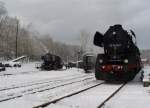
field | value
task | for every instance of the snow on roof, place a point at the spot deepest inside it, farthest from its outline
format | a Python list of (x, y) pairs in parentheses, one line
[(144, 59), (89, 54), (19, 58)]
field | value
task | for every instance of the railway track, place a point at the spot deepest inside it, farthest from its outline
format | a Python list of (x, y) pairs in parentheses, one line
[(39, 82), (42, 88), (51, 85), (54, 101), (102, 104), (68, 95)]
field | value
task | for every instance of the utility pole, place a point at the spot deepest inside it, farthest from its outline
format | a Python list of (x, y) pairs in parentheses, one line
[(17, 27), (78, 54)]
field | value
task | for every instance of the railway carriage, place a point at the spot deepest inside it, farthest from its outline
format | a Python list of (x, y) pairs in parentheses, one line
[(89, 60)]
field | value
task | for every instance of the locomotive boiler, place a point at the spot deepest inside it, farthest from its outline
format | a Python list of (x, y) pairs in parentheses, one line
[(121, 58)]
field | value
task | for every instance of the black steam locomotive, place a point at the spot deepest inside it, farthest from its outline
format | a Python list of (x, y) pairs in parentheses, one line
[(121, 59), (51, 62)]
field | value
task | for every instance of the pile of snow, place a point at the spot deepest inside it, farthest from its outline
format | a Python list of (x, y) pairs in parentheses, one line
[(146, 76)]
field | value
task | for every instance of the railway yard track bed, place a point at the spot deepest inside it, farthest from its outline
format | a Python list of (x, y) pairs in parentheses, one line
[(87, 99), (71, 90)]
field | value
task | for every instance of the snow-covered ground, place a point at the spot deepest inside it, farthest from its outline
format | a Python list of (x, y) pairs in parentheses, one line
[(28, 80), (28, 73), (88, 99), (30, 87), (133, 95)]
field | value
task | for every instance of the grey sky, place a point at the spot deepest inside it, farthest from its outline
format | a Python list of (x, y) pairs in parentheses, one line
[(63, 19)]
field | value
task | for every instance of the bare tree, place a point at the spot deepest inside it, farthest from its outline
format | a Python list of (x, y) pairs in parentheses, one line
[(28, 41), (83, 41)]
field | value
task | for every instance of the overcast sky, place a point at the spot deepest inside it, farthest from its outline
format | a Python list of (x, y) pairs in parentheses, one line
[(64, 19)]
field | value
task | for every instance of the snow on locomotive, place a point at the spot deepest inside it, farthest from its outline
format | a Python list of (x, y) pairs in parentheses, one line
[(121, 59), (51, 62)]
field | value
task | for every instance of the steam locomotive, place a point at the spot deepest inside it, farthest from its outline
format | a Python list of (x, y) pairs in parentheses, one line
[(51, 62), (121, 59)]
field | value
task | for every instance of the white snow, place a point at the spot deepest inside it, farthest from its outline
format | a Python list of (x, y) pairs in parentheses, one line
[(19, 58), (133, 95), (28, 74), (146, 74), (88, 99)]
